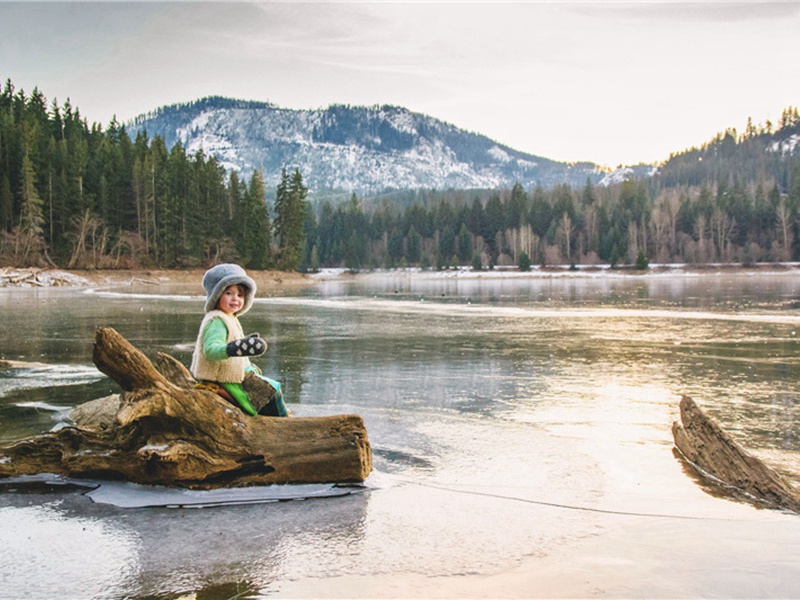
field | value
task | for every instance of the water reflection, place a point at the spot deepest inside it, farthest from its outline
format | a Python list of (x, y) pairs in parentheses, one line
[(44, 550), (185, 550), (729, 291), (482, 399), (63, 542)]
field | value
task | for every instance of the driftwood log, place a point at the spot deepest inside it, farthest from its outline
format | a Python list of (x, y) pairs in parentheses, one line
[(162, 431), (718, 458)]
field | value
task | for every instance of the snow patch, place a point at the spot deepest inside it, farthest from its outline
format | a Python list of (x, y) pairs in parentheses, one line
[(621, 174), (401, 120), (499, 154), (787, 146), (617, 176)]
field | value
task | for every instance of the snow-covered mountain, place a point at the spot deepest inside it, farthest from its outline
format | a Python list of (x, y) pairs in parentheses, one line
[(352, 148)]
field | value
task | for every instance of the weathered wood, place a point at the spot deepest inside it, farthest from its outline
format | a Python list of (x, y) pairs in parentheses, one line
[(124, 363), (173, 371), (717, 457), (170, 434), (97, 414), (27, 277)]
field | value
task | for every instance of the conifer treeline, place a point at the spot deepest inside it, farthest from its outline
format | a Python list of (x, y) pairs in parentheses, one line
[(77, 196), (735, 199), (80, 196)]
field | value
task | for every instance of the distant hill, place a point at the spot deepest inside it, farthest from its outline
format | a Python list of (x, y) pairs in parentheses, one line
[(353, 148), (759, 154), (380, 148)]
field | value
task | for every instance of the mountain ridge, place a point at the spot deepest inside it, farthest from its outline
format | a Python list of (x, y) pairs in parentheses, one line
[(353, 148)]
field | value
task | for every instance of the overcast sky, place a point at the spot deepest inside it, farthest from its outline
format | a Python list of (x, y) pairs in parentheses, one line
[(609, 82)]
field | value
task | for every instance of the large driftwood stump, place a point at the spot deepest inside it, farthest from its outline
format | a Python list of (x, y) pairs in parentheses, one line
[(165, 432), (713, 453)]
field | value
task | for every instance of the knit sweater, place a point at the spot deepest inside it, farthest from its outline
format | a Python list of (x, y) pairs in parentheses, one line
[(230, 370)]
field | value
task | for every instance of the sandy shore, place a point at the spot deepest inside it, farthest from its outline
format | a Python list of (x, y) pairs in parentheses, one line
[(33, 277), (187, 277), (18, 277)]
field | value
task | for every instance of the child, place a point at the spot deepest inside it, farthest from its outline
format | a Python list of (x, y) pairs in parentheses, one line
[(221, 355)]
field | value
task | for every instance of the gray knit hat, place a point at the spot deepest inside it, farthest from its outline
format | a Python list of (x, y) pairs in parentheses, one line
[(218, 278)]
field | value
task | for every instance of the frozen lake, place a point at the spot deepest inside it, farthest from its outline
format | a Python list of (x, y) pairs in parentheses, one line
[(520, 430)]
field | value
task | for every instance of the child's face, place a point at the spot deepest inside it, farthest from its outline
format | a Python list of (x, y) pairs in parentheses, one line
[(232, 299)]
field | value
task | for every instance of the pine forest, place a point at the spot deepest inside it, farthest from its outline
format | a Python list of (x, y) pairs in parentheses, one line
[(78, 196)]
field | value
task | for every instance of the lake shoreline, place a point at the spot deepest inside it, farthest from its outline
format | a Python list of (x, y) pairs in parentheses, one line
[(33, 277), (36, 277)]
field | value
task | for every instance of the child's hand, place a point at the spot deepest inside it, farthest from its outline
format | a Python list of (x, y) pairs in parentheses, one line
[(252, 345)]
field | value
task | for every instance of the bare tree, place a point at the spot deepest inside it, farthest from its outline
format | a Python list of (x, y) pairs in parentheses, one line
[(785, 219), (91, 239), (701, 230), (722, 227), (564, 233)]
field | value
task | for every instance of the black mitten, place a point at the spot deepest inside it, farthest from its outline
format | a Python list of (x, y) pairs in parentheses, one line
[(252, 345)]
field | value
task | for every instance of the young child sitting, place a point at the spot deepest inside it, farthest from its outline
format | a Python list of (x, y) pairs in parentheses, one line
[(221, 360)]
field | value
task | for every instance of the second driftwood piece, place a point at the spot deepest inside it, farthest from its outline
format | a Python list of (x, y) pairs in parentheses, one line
[(168, 434), (703, 443)]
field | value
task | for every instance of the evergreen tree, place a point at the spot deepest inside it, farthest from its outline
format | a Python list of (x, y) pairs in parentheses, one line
[(254, 240), (541, 213), (6, 204), (642, 262), (477, 263), (524, 262), (517, 208), (494, 223), (477, 218), (414, 242), (29, 243), (464, 245), (290, 210)]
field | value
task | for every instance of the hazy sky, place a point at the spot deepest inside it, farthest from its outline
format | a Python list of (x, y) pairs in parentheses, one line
[(610, 82)]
